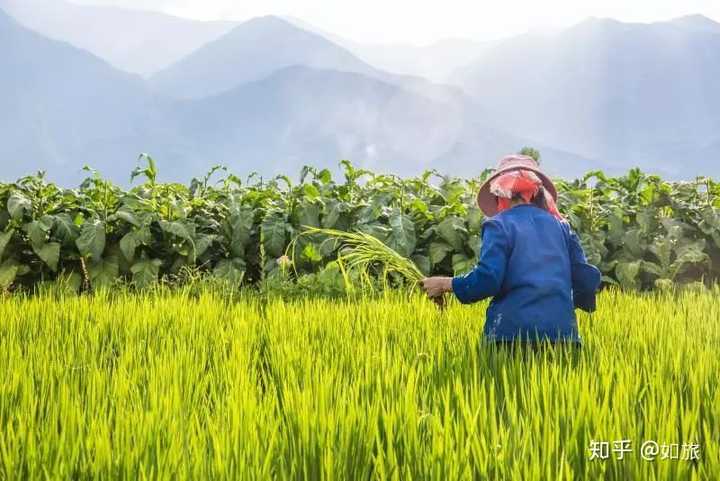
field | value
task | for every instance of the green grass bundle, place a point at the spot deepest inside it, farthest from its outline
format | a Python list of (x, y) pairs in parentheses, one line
[(363, 253)]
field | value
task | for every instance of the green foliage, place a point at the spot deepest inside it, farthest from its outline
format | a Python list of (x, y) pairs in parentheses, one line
[(643, 232), (531, 152)]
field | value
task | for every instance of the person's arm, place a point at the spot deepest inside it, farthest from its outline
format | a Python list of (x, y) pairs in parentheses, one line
[(585, 277), (486, 279)]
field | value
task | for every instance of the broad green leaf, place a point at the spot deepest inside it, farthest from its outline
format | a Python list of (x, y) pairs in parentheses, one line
[(462, 264), (5, 238), (653, 268), (310, 253), (49, 253), (232, 270), (324, 176), (18, 205), (633, 243), (662, 249), (132, 240), (674, 229), (145, 272), (475, 244), (616, 228), (241, 227), (710, 220), (369, 213), (475, 219), (65, 228), (402, 234), (8, 272), (328, 247), (274, 233), (38, 231), (438, 252), (311, 192), (128, 216), (178, 229), (202, 244), (646, 220), (308, 214), (128, 244), (419, 206), (103, 272), (627, 274), (91, 242), (333, 213), (375, 229), (452, 230), (688, 255), (691, 249), (423, 263)]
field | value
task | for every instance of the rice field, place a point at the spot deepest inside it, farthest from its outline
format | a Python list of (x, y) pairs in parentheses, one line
[(180, 385)]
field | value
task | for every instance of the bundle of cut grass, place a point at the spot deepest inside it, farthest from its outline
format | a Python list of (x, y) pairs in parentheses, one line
[(365, 254)]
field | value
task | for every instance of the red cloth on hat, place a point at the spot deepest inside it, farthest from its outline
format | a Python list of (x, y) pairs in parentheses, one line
[(524, 183)]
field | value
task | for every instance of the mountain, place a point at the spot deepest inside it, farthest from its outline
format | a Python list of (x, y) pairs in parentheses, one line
[(300, 115), (697, 22), (252, 51), (135, 41), (61, 108), (633, 94), (434, 62)]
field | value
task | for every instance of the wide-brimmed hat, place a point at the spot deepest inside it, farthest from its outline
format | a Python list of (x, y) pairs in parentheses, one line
[(487, 201)]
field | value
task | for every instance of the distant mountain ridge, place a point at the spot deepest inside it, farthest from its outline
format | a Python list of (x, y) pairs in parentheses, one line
[(634, 94), (435, 61), (269, 96), (302, 115), (61, 107), (252, 51), (141, 42), (90, 113)]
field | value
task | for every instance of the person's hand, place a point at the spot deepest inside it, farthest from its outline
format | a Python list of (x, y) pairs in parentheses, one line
[(437, 286)]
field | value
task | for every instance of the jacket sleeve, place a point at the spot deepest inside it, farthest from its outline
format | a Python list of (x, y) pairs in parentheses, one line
[(486, 279), (585, 277)]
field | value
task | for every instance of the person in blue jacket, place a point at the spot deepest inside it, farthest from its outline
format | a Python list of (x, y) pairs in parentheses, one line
[(531, 262)]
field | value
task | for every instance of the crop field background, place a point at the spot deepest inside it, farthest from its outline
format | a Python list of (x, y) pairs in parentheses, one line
[(195, 384), (641, 231)]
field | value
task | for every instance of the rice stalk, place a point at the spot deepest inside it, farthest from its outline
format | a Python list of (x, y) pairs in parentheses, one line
[(362, 252)]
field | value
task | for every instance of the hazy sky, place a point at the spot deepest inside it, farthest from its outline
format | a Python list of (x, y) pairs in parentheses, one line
[(419, 22)]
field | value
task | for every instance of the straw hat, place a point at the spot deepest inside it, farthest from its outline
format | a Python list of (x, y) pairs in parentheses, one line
[(487, 201)]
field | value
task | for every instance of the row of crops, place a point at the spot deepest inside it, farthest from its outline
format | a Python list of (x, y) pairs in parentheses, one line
[(640, 230)]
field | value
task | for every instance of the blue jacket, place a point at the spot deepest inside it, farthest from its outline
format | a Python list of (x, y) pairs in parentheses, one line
[(534, 268)]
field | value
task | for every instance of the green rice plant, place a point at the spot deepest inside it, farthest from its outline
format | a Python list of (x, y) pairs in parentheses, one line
[(168, 385)]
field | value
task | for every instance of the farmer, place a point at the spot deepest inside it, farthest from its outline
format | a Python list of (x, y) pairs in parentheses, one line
[(531, 262)]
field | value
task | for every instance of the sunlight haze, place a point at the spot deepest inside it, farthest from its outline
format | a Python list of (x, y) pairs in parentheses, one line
[(405, 21)]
